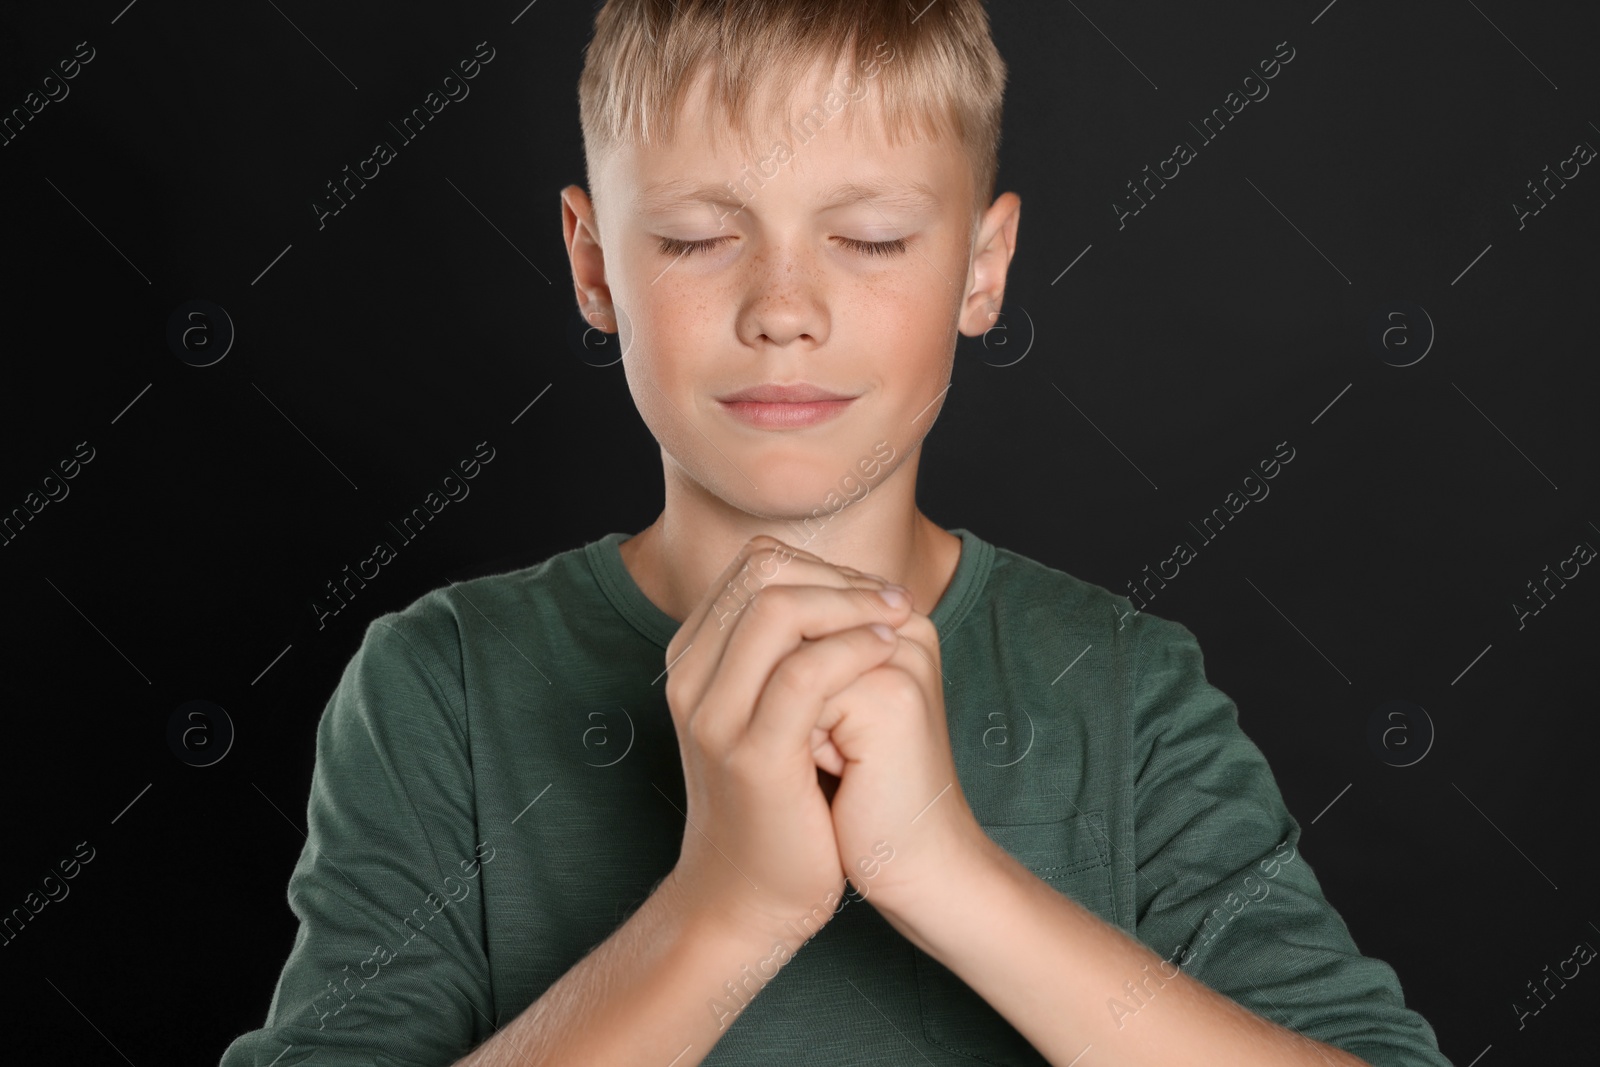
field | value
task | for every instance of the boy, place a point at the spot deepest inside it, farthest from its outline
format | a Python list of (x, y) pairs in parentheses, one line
[(623, 792)]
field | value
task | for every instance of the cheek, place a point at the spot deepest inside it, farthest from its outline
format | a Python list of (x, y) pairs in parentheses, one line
[(918, 337), (908, 314), (911, 328), (676, 313), (655, 400), (669, 360), (669, 332)]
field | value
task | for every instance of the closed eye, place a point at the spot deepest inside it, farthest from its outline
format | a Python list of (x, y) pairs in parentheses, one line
[(877, 248), (671, 246)]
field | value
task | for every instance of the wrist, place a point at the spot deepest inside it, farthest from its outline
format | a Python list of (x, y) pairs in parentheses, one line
[(739, 927), (725, 923), (933, 915), (745, 951)]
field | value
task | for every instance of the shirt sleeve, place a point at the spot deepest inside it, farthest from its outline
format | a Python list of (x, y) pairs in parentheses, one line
[(388, 966), (1222, 888)]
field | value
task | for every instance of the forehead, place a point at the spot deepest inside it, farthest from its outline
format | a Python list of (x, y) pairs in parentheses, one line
[(894, 190), (826, 145)]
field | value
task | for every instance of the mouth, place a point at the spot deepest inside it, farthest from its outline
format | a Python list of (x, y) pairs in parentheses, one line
[(785, 407), (771, 416), (775, 393)]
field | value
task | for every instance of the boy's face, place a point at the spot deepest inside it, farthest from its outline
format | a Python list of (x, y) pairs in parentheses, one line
[(783, 295)]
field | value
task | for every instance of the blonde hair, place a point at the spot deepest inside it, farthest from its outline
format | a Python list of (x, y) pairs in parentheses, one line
[(942, 77)]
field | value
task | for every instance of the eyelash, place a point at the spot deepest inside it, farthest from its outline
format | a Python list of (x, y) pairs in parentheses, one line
[(671, 246)]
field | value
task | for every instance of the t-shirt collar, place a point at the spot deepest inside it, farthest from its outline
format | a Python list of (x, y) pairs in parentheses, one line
[(611, 574)]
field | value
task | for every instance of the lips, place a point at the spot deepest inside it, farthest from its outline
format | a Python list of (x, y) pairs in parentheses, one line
[(774, 393)]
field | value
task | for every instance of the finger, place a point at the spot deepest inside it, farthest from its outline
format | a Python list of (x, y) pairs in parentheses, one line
[(697, 662), (919, 652), (825, 753), (690, 674), (792, 699), (916, 634), (775, 624), (755, 551), (760, 561), (869, 703), (697, 614)]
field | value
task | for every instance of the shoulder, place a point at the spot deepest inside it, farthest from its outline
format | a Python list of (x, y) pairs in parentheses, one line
[(1037, 593), (1152, 664), (440, 624), (1030, 584)]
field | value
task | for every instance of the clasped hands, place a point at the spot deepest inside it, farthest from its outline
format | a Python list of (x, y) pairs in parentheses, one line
[(813, 746)]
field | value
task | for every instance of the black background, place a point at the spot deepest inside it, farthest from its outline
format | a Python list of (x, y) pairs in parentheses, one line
[(1232, 313)]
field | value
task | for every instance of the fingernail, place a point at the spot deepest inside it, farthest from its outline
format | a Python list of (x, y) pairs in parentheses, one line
[(883, 631), (894, 596)]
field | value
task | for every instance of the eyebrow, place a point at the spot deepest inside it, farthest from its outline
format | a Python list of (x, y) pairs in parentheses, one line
[(884, 192)]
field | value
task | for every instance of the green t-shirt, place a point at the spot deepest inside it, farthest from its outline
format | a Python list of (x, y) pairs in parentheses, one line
[(498, 787)]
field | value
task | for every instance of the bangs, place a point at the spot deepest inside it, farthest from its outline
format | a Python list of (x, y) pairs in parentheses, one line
[(767, 64)]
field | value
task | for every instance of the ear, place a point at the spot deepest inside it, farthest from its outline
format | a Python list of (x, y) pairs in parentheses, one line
[(582, 237), (996, 243)]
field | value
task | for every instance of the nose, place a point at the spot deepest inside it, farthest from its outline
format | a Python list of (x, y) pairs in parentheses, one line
[(784, 298)]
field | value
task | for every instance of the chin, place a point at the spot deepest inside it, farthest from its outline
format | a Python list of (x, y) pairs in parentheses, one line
[(808, 491), (790, 497)]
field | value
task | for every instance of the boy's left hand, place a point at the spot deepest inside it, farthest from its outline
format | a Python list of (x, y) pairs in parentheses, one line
[(901, 819)]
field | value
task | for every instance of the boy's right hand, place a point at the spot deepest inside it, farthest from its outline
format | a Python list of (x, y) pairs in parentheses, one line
[(748, 675)]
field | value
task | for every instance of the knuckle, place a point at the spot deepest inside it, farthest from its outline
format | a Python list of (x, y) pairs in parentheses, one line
[(797, 676), (746, 582), (773, 601), (760, 545), (757, 573), (679, 696), (769, 561), (729, 604), (897, 687), (701, 732)]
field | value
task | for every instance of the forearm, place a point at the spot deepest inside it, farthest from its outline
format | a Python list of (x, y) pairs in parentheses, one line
[(644, 995), (1069, 981)]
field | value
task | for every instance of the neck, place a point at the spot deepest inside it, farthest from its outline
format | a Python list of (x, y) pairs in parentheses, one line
[(676, 558)]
